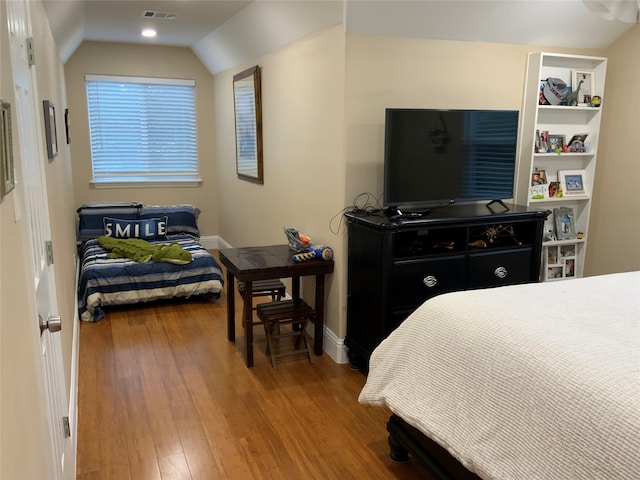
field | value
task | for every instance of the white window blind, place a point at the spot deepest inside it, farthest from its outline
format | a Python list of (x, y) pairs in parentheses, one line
[(142, 129)]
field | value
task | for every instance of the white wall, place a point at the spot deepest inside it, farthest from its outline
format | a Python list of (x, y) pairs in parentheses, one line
[(24, 449), (614, 234), (302, 111), (144, 61)]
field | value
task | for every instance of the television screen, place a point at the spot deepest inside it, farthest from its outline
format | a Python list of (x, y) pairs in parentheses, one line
[(435, 156)]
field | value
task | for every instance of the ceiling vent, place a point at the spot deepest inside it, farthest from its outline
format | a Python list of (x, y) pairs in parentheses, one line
[(160, 15)]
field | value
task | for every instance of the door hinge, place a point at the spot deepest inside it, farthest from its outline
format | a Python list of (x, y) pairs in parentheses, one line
[(31, 53), (49, 247), (66, 426)]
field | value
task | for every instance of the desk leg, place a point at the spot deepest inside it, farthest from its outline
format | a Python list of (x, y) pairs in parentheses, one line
[(247, 318), (318, 324), (295, 288), (231, 308)]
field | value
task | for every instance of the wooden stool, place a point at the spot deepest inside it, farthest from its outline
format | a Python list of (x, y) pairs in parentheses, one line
[(275, 314), (264, 288)]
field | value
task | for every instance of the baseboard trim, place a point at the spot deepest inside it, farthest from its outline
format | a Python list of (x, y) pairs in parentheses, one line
[(213, 242), (334, 347)]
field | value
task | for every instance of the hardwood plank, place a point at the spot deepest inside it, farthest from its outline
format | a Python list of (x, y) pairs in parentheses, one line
[(174, 467), (164, 395)]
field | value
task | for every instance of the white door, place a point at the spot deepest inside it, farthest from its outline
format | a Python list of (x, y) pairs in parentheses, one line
[(32, 190)]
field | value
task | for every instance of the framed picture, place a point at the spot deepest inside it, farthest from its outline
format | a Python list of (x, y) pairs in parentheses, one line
[(50, 129), (555, 272), (565, 225), (539, 189), (7, 175), (584, 82), (556, 143), (568, 250), (570, 267), (572, 182), (542, 141), (539, 177), (576, 144)]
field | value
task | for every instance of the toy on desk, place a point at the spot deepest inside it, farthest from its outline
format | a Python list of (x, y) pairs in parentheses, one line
[(297, 241), (321, 252)]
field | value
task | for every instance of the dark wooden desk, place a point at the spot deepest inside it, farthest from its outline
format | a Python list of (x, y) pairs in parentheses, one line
[(248, 264)]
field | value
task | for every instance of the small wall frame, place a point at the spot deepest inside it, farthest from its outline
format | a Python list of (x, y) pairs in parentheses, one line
[(7, 175)]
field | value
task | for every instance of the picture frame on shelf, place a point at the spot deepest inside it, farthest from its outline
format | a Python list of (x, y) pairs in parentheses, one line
[(565, 224), (539, 177), (577, 143), (50, 129), (558, 264), (555, 272), (553, 189), (556, 143), (569, 267), (7, 172), (538, 188), (568, 250), (553, 268), (586, 88), (572, 182), (542, 141)]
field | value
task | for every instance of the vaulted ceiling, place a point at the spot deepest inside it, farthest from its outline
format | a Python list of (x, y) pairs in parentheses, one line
[(226, 33)]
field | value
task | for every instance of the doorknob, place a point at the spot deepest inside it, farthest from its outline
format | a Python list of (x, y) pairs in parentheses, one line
[(53, 323)]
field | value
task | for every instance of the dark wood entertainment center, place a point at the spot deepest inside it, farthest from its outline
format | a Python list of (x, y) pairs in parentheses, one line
[(394, 265)]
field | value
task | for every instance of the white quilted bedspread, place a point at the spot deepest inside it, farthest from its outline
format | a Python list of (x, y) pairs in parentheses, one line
[(538, 381)]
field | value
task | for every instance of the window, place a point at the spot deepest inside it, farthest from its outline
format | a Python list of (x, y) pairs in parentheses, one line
[(142, 130)]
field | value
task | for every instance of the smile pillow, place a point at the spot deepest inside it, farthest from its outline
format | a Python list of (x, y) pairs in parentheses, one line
[(148, 229)]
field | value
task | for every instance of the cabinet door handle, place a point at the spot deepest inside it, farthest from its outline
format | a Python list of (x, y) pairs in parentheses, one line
[(500, 272), (430, 281)]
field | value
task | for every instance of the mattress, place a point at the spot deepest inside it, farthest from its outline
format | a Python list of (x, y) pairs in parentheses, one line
[(105, 281), (536, 381)]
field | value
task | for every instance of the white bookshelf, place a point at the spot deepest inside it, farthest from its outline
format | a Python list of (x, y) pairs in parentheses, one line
[(567, 121)]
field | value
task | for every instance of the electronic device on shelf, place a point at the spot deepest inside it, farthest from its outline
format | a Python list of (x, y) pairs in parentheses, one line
[(433, 158)]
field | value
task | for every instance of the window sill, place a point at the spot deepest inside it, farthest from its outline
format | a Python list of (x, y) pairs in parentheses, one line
[(145, 183)]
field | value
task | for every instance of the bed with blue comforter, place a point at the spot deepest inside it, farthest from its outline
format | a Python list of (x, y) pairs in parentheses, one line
[(108, 281)]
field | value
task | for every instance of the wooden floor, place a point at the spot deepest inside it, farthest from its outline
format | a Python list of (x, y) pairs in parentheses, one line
[(164, 395)]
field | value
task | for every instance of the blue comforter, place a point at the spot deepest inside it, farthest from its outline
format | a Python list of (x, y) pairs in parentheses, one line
[(106, 281)]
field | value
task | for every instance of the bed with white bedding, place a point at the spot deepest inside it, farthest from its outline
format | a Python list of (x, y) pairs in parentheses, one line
[(535, 381)]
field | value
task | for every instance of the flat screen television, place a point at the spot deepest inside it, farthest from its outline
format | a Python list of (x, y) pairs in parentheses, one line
[(433, 157)]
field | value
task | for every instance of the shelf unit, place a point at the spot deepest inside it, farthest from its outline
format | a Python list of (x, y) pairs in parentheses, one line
[(567, 121)]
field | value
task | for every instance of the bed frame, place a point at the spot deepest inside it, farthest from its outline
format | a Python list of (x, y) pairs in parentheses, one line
[(405, 439), (513, 393)]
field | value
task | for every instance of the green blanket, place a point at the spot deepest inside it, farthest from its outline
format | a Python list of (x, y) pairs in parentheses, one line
[(142, 251)]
